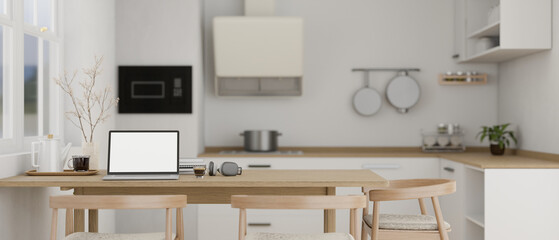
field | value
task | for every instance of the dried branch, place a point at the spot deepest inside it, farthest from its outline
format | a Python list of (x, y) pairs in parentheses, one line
[(91, 101)]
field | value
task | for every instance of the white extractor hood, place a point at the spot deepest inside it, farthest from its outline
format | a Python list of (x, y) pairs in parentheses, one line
[(258, 56)]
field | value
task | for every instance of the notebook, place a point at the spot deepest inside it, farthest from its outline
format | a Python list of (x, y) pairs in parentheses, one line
[(143, 155)]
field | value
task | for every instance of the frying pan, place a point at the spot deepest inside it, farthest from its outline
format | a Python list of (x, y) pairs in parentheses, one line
[(367, 101), (403, 92)]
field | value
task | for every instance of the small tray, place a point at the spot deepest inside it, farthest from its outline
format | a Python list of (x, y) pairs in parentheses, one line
[(65, 173)]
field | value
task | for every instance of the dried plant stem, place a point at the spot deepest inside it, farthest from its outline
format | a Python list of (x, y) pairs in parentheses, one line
[(84, 107)]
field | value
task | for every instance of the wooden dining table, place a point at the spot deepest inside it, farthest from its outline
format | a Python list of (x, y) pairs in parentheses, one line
[(210, 189)]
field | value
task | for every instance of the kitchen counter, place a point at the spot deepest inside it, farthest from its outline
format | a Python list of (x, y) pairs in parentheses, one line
[(474, 156)]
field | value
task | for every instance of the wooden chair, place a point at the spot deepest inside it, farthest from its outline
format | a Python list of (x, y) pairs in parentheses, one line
[(420, 227), (244, 202), (118, 202)]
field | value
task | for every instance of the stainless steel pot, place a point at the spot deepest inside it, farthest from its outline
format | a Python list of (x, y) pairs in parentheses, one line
[(261, 140)]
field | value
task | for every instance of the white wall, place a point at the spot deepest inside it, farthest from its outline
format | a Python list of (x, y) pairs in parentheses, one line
[(89, 31), (89, 27), (339, 36), (25, 211), (528, 97), (163, 33)]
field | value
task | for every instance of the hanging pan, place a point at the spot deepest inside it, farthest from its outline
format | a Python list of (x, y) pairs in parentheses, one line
[(367, 101), (403, 92)]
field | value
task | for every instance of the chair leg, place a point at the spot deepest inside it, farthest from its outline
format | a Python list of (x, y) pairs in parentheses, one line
[(375, 223), (354, 224), (422, 206), (357, 225), (168, 222), (440, 221), (180, 225), (242, 223), (54, 223), (363, 231)]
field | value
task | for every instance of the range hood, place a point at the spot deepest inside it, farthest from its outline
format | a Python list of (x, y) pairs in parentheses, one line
[(258, 56)]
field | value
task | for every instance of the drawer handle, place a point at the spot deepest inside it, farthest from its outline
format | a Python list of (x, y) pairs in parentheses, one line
[(448, 169), (260, 165), (380, 166), (259, 224)]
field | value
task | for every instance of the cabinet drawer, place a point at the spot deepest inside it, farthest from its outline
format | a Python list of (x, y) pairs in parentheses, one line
[(226, 219)]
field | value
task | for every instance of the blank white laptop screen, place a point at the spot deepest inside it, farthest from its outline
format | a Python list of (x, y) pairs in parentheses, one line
[(143, 152)]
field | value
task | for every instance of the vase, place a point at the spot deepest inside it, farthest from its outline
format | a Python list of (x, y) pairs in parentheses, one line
[(89, 148), (497, 150)]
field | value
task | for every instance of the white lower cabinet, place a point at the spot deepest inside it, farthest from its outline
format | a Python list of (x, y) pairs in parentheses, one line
[(221, 221), (452, 205), (495, 204)]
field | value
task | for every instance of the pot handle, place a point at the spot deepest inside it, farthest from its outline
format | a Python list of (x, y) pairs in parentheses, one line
[(279, 134), (242, 134), (34, 161)]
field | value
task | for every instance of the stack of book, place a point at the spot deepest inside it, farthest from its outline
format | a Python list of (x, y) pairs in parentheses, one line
[(186, 165)]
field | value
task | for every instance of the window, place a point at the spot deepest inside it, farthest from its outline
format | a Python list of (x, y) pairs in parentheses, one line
[(29, 59), (1, 81)]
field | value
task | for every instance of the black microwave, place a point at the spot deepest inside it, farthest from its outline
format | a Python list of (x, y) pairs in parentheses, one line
[(155, 89)]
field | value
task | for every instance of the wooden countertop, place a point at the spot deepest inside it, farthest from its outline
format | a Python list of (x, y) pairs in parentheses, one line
[(474, 156), (249, 178)]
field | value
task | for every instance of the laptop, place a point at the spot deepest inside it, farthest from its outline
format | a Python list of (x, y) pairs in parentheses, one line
[(143, 155)]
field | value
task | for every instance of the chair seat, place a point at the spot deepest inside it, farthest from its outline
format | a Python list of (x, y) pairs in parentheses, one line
[(290, 236), (406, 222), (113, 236)]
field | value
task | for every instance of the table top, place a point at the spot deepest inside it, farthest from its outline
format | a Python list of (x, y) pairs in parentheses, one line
[(249, 178)]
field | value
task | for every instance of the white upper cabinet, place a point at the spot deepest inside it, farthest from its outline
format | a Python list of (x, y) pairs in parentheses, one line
[(496, 31)]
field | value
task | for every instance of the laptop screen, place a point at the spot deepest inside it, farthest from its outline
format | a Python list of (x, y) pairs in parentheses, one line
[(143, 152)]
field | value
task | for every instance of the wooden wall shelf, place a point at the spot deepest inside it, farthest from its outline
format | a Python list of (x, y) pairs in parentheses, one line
[(480, 79)]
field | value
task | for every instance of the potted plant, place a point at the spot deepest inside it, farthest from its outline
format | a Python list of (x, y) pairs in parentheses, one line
[(498, 136)]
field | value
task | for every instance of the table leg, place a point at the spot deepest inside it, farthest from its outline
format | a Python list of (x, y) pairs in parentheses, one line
[(93, 220), (330, 214), (79, 220), (79, 214)]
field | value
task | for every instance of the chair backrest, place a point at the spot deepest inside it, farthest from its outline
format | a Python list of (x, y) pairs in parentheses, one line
[(412, 189), (244, 202), (118, 202), (70, 202)]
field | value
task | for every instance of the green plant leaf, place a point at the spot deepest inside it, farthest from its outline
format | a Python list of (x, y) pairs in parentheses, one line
[(511, 134)]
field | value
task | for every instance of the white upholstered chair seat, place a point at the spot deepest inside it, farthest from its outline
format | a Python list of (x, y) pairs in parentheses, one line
[(113, 236), (406, 222), (290, 236)]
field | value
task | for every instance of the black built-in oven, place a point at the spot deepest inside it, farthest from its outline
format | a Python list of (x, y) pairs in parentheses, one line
[(155, 89)]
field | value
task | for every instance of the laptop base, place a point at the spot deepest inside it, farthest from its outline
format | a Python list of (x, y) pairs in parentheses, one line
[(118, 177)]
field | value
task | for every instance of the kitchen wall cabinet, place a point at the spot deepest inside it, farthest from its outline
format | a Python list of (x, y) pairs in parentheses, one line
[(309, 221), (517, 27)]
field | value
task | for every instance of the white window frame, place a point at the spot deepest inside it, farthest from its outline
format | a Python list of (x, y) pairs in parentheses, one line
[(13, 140)]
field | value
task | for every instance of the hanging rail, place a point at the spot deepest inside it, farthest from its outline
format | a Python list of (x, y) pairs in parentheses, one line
[(385, 70)]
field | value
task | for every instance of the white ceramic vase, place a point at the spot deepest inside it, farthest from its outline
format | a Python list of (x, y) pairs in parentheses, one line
[(89, 148)]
